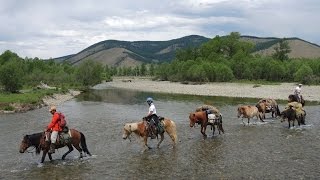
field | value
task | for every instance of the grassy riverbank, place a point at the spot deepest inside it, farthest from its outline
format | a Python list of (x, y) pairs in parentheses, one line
[(28, 99)]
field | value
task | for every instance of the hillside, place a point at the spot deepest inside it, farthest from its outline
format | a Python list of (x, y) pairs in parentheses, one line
[(126, 53)]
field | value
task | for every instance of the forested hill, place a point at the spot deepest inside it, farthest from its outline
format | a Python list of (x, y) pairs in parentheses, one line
[(129, 54)]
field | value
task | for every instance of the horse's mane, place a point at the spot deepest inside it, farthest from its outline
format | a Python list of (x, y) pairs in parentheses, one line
[(35, 140)]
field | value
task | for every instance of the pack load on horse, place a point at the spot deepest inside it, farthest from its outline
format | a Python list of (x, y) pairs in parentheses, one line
[(247, 111), (207, 115), (141, 129), (268, 105), (38, 140), (299, 111)]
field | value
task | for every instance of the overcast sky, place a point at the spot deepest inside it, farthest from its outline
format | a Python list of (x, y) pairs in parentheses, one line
[(54, 28)]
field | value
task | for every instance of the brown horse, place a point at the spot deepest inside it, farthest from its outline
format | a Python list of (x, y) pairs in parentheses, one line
[(38, 140), (248, 112), (268, 105), (141, 129), (201, 117)]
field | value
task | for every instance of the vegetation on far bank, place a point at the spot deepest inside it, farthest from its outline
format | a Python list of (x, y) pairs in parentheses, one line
[(222, 59)]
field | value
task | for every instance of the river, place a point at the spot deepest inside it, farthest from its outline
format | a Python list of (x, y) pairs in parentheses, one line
[(260, 151)]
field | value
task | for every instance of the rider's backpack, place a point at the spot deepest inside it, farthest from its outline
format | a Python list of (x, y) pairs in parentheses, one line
[(62, 121)]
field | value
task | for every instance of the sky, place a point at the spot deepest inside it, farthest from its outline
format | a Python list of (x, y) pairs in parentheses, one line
[(55, 28)]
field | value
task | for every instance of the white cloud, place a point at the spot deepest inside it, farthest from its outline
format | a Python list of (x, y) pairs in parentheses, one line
[(57, 28)]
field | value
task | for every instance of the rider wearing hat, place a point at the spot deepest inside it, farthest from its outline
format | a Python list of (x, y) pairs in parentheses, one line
[(297, 92), (54, 127), (152, 117)]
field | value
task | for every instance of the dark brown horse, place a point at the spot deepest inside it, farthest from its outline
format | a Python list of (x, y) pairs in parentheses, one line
[(293, 98), (290, 115), (201, 117), (38, 140)]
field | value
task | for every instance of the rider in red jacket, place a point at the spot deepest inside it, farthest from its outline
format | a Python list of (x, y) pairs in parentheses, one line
[(54, 127)]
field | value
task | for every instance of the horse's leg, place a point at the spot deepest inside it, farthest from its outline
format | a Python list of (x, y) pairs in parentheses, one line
[(248, 121), (213, 129), (162, 137), (203, 131), (70, 149), (243, 122), (77, 146), (145, 140), (44, 153), (50, 156), (221, 128)]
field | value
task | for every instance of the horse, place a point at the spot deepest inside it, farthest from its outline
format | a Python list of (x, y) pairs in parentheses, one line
[(300, 112), (268, 105), (290, 115), (201, 117), (248, 112), (294, 98), (38, 140), (141, 129)]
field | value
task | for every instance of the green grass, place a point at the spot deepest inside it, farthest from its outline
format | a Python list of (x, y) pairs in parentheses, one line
[(29, 96)]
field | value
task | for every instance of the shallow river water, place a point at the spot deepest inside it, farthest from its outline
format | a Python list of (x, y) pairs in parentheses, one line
[(260, 151)]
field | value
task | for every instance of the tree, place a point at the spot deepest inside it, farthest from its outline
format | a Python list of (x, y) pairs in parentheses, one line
[(11, 76), (89, 73), (282, 50), (304, 74)]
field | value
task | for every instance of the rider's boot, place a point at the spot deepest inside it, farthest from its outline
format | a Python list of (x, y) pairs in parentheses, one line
[(52, 148)]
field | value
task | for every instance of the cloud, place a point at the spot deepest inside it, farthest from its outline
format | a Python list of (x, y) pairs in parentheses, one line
[(46, 29)]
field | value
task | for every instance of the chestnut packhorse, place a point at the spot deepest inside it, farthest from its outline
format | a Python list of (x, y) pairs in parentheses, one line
[(140, 129), (38, 140), (201, 117)]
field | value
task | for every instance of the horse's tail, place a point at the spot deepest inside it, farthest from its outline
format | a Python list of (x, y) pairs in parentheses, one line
[(84, 144), (174, 128), (278, 110), (172, 131)]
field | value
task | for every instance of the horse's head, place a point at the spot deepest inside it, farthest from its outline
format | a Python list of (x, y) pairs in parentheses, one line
[(126, 131), (24, 144), (192, 118), (241, 110)]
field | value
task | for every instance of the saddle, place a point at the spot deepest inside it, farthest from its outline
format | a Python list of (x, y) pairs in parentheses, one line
[(154, 130), (64, 136)]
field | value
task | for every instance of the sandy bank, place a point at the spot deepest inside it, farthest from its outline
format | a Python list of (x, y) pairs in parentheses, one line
[(310, 93)]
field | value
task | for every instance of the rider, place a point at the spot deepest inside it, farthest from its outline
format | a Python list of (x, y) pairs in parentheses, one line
[(297, 92), (152, 117), (54, 127)]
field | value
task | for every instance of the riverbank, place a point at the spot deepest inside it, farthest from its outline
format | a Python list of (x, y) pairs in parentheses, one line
[(280, 92), (55, 99)]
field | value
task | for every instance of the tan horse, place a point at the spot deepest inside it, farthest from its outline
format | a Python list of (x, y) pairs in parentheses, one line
[(140, 129), (248, 112), (268, 105)]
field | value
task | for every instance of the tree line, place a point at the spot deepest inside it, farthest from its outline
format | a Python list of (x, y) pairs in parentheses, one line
[(16, 73), (227, 58), (222, 59)]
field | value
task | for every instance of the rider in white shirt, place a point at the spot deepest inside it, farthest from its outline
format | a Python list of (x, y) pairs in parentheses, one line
[(152, 117), (297, 92)]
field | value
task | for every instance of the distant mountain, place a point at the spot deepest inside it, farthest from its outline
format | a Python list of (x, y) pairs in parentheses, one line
[(126, 53)]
